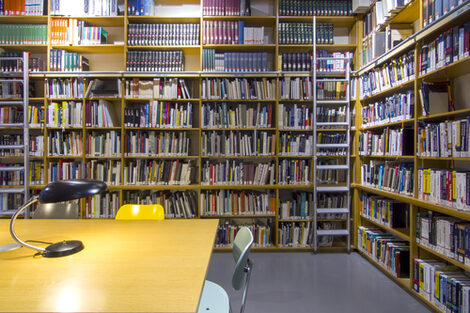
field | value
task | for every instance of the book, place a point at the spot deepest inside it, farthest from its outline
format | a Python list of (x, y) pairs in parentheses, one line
[(436, 97)]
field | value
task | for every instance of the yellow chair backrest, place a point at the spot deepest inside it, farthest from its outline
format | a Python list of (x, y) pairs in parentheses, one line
[(140, 212)]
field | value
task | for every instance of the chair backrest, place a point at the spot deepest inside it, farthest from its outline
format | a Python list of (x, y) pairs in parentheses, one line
[(140, 212), (59, 210), (241, 249)]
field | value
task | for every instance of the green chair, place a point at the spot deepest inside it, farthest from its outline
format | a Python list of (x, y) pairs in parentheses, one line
[(214, 298)]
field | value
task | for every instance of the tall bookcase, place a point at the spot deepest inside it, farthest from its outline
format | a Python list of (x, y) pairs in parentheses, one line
[(253, 197)]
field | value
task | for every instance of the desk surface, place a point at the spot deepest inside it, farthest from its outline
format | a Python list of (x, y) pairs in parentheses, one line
[(126, 266)]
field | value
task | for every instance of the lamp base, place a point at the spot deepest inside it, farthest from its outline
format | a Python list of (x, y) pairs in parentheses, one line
[(63, 248)]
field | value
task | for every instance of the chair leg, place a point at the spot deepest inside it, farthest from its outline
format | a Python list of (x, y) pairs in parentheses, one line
[(247, 282)]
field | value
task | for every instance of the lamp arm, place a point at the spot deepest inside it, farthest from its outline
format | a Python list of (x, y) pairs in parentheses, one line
[(12, 222)]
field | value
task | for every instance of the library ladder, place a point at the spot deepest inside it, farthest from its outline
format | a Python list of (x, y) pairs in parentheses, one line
[(334, 159), (21, 76)]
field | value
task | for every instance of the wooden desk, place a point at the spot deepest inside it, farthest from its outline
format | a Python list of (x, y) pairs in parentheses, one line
[(126, 266)]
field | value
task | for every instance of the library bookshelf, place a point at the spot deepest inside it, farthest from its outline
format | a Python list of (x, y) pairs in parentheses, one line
[(113, 62), (407, 236)]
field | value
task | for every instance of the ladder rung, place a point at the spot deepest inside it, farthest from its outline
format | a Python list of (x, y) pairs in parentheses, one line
[(11, 147), (332, 123), (11, 80), (333, 232), (332, 167), (13, 102), (332, 145), (11, 168), (11, 59), (11, 125), (332, 102), (332, 211), (333, 189), (11, 190)]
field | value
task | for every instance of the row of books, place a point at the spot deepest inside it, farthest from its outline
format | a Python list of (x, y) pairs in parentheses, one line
[(338, 62), (331, 90), (392, 109), (99, 114), (226, 8), (103, 205), (26, 7), (64, 61), (392, 73), (84, 7), (234, 202), (295, 116), (299, 205), (331, 115), (238, 143), (444, 139), (11, 178), (445, 234), (382, 11), (177, 204), (237, 173), (10, 115), (295, 144), (9, 201), (76, 32), (64, 170), (232, 33), (378, 42), (65, 114), (330, 176), (155, 61), (294, 88), (23, 34), (449, 188), (261, 229), (238, 89), (61, 143), (389, 176), (390, 251), (436, 97), (228, 115), (390, 142), (108, 171), (434, 10), (449, 47), (6, 140), (384, 211), (328, 138), (36, 145), (444, 285), (103, 144), (159, 114), (291, 33), (296, 61), (159, 172), (36, 172), (65, 87), (36, 116), (151, 143), (159, 88), (36, 64), (163, 34), (294, 172), (234, 61), (11, 88), (297, 234), (315, 7)]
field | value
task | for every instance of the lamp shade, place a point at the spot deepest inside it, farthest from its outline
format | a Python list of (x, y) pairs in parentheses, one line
[(65, 190)]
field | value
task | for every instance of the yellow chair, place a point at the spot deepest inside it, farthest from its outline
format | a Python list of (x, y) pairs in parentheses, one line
[(140, 212)]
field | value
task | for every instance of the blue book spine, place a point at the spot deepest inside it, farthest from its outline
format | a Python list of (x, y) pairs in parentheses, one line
[(241, 32), (438, 9)]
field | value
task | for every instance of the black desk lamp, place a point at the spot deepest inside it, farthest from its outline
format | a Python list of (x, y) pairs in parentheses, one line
[(59, 191)]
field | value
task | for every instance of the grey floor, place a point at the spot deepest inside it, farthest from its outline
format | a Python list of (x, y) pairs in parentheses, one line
[(323, 283)]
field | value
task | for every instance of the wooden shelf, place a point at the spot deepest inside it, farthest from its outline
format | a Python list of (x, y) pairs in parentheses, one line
[(442, 158), (403, 282), (442, 116), (453, 70), (446, 258), (405, 85), (238, 129), (153, 157), (238, 215), (241, 47), (389, 157), (404, 15), (402, 233), (158, 187), (398, 123), (339, 21), (108, 48), (238, 187), (163, 19), (103, 21)]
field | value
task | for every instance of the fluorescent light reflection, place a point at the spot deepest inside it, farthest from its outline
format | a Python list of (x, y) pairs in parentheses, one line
[(67, 300)]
